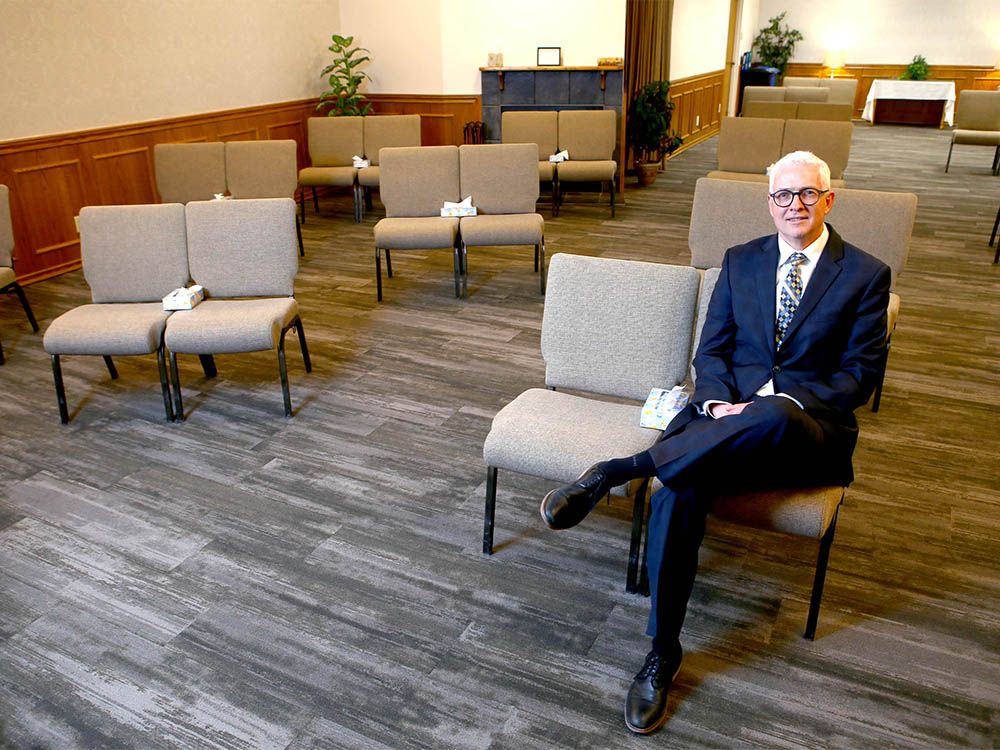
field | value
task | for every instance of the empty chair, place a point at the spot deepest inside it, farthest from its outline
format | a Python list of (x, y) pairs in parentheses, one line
[(977, 123), (503, 182), (333, 143), (243, 254), (263, 169), (8, 279), (830, 141), (189, 171), (748, 146), (612, 329), (384, 131), (589, 137), (772, 109), (805, 93), (540, 128), (133, 256), (415, 183)]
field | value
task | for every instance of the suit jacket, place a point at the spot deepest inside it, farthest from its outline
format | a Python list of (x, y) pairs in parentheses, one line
[(829, 360)]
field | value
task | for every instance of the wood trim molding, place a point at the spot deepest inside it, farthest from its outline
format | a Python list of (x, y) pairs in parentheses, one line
[(442, 116), (698, 106)]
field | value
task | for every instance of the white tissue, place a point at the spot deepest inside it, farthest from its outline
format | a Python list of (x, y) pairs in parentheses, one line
[(360, 163), (462, 208), (561, 156)]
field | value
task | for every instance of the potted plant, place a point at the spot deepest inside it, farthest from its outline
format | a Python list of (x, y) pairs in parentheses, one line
[(649, 129), (343, 97), (774, 43), (917, 70)]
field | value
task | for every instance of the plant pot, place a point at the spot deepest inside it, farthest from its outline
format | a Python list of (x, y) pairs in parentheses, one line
[(647, 172)]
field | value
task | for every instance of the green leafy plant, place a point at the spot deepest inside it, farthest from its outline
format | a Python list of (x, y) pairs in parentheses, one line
[(649, 123), (343, 97), (775, 43), (917, 70)]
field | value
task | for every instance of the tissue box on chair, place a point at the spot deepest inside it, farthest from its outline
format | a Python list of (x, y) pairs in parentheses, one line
[(184, 299), (465, 208)]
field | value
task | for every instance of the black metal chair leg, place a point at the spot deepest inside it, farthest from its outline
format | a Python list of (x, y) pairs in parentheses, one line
[(300, 332), (996, 225), (388, 264), (357, 204), (542, 272), (947, 163), (817, 592), (112, 370), (176, 378), (368, 198), (883, 364), (536, 258), (612, 197), (283, 372), (490, 512), (378, 273), (161, 364), (465, 271), (302, 205), (208, 365), (556, 189), (457, 260), (27, 307), (635, 546), (315, 201), (3, 359), (298, 235), (60, 390)]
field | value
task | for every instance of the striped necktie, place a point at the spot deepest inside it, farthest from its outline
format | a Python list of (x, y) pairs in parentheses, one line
[(791, 295)]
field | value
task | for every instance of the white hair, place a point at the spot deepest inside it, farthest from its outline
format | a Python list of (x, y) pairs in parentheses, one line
[(800, 159)]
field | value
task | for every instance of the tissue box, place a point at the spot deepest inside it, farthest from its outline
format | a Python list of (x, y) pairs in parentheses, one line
[(184, 299), (662, 406), (458, 211)]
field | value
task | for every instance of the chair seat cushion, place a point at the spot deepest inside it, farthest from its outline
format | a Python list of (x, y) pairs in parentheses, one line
[(107, 329), (503, 229), (557, 435), (755, 177), (545, 170), (221, 326), (416, 232), (977, 137), (318, 176), (368, 176), (585, 171), (7, 276)]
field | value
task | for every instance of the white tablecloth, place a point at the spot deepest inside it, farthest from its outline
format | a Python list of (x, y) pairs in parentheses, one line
[(890, 89)]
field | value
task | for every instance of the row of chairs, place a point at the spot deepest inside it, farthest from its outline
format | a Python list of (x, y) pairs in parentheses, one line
[(8, 279), (502, 182), (188, 172), (241, 252)]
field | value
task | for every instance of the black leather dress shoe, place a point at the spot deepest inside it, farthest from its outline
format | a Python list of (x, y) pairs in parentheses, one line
[(646, 702), (565, 507)]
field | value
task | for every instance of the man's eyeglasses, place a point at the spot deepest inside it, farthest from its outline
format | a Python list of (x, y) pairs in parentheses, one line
[(808, 196)]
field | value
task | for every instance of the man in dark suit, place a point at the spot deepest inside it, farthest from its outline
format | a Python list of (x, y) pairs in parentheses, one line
[(790, 348)]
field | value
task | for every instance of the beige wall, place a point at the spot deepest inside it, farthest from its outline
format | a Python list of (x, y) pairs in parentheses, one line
[(78, 64), (698, 37), (438, 46), (960, 32)]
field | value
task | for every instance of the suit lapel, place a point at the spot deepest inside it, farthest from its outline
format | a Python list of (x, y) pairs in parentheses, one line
[(827, 269), (764, 275)]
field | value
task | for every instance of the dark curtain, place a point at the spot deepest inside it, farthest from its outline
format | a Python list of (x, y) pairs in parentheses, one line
[(647, 44)]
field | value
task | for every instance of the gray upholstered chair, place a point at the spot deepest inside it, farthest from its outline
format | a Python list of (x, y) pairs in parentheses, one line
[(804, 93), (133, 256), (747, 146), (540, 128), (977, 123), (774, 110), (809, 512), (592, 310), (589, 135), (8, 279), (830, 141), (263, 169), (415, 183), (834, 111), (502, 179), (840, 90), (333, 143), (189, 171), (726, 213), (243, 254), (384, 131)]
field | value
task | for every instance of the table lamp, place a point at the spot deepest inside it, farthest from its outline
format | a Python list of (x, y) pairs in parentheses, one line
[(833, 60)]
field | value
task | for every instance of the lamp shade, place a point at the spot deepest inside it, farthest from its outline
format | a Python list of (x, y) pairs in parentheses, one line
[(834, 59)]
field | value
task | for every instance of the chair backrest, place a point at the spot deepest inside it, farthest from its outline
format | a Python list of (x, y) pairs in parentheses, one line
[(502, 178), (262, 169), (189, 171), (774, 110), (842, 90), (830, 141), (978, 110), (727, 213), (800, 81), (540, 128), (334, 141), (416, 181), (6, 230), (243, 248), (588, 134), (749, 144), (805, 94), (763, 94), (824, 111), (388, 131), (709, 278), (617, 327), (133, 253)]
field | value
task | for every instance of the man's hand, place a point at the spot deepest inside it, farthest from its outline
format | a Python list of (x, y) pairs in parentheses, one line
[(725, 410)]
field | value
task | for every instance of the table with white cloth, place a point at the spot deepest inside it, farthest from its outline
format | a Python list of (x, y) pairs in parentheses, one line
[(910, 102)]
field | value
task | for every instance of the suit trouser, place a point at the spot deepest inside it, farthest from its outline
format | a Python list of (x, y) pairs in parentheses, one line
[(772, 443)]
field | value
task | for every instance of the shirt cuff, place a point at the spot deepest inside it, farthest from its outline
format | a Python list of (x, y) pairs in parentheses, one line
[(705, 408)]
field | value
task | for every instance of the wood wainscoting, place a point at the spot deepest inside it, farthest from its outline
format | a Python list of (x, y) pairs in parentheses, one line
[(442, 117), (697, 106), (964, 76)]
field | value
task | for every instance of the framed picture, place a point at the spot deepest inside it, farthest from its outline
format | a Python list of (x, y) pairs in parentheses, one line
[(549, 56)]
